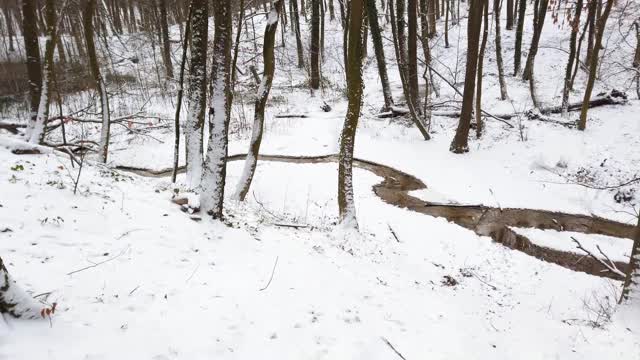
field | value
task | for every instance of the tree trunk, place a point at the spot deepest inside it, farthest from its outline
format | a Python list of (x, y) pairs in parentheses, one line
[(315, 44), (474, 24), (263, 94), (89, 12), (215, 170), (197, 94), (36, 135), (522, 7), (166, 44), (424, 38), (236, 48), (631, 287), (13, 300), (509, 14), (183, 63), (32, 50), (296, 24), (412, 54), (483, 47), (591, 20), (332, 14), (539, 14), (376, 37), (503, 83), (446, 25), (636, 58), (593, 65), (9, 23), (346, 203), (432, 18), (575, 28)]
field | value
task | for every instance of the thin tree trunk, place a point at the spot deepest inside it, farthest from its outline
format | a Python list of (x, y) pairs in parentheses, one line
[(296, 24), (593, 65), (636, 58), (346, 204), (591, 20), (215, 170), (483, 46), (36, 135), (263, 94), (412, 53), (315, 44), (503, 84), (517, 55), (424, 38), (580, 41), (183, 63), (446, 25), (575, 27), (460, 141), (376, 37), (197, 94), (236, 49), (631, 286), (32, 50), (539, 14)]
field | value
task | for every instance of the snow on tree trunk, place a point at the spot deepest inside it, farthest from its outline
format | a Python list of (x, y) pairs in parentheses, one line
[(13, 300), (593, 64), (32, 52), (36, 134), (631, 288), (483, 46), (263, 94), (346, 204), (215, 169), (197, 95)]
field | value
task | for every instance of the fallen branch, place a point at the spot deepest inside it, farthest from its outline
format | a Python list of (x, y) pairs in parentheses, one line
[(100, 263), (393, 233), (610, 266), (285, 116)]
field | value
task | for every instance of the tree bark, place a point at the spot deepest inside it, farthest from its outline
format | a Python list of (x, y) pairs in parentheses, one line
[(376, 37), (412, 53), (315, 44), (432, 18), (509, 15), (215, 170), (474, 24), (166, 44), (631, 286), (539, 14), (522, 7), (593, 65), (575, 28), (483, 47), (197, 94), (13, 300), (636, 58), (503, 84), (183, 62), (32, 50), (36, 135), (261, 102), (89, 12), (296, 23), (346, 204)]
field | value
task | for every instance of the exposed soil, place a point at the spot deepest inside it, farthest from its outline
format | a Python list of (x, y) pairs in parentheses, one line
[(487, 221)]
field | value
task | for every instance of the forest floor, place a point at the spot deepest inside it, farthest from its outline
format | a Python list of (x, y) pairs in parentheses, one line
[(135, 277)]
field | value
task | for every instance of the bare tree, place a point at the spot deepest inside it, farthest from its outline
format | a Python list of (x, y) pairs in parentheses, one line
[(474, 24), (593, 64), (295, 16), (166, 44), (517, 54), (32, 50), (261, 101), (36, 133), (315, 44), (215, 169), (575, 27), (499, 64), (376, 37), (346, 202), (483, 46), (197, 94), (539, 14)]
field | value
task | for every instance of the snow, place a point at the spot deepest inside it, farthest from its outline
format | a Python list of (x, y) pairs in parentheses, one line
[(134, 277)]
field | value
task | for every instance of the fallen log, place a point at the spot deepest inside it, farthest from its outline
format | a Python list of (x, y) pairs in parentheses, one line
[(11, 127)]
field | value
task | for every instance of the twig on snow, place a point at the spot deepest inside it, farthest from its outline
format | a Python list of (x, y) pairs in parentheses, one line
[(272, 272), (611, 266), (393, 233), (393, 348), (99, 263)]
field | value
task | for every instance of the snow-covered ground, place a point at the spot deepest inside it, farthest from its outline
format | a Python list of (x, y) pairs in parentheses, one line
[(134, 277)]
